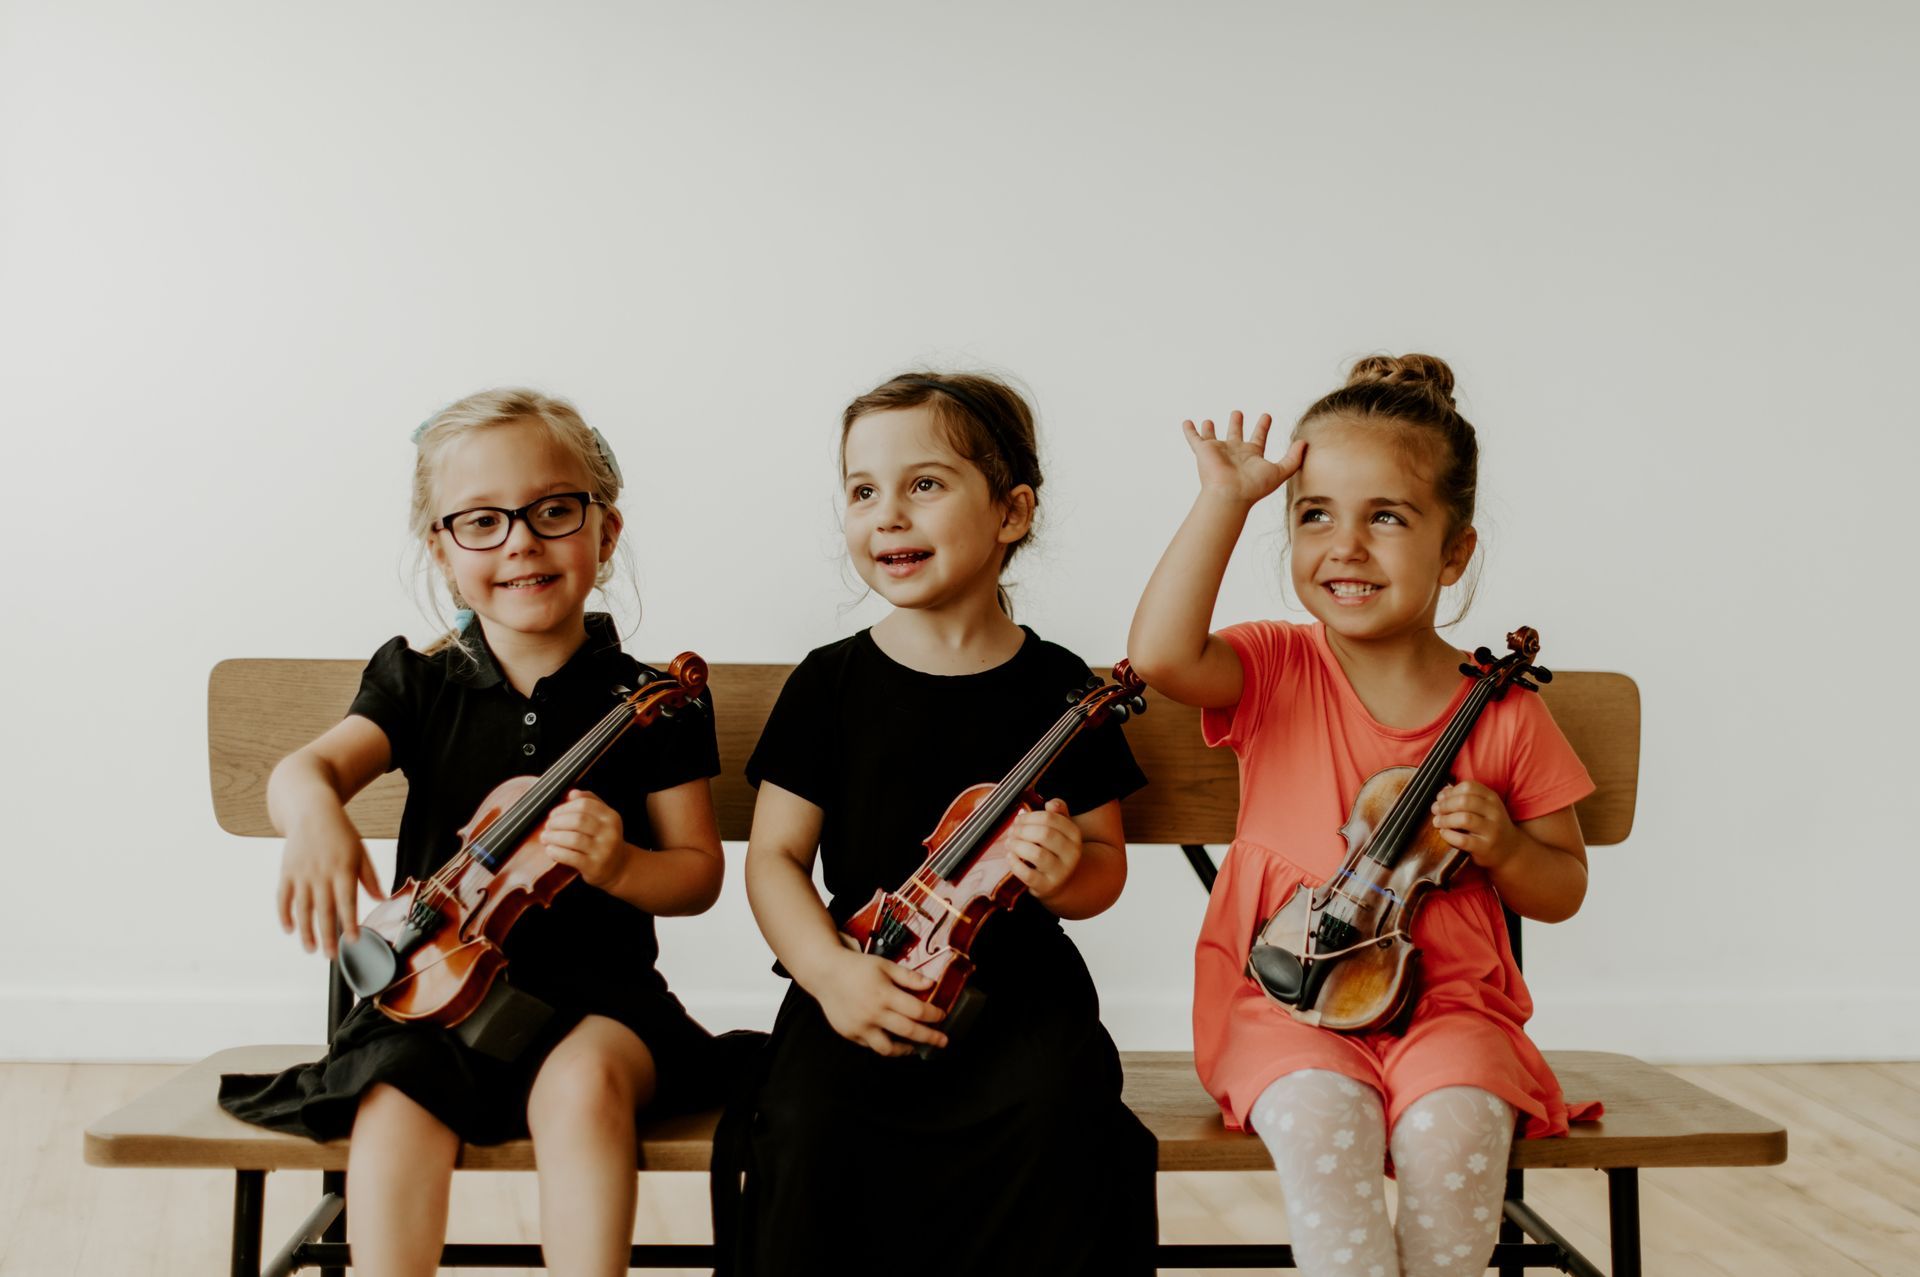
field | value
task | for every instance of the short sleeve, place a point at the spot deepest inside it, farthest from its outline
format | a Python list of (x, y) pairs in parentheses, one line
[(1546, 774), (791, 752), (392, 694), (1264, 648)]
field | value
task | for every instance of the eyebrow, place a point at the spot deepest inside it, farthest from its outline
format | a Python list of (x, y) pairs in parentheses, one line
[(487, 501), (1377, 503), (911, 465)]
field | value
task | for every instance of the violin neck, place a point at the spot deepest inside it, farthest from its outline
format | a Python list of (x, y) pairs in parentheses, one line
[(497, 841), (1396, 831), (953, 854)]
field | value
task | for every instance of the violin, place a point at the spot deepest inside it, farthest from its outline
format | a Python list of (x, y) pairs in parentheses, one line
[(431, 951), (1342, 954), (930, 923)]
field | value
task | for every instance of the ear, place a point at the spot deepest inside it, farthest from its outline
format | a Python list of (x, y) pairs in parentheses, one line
[(610, 526), (1016, 514), (1459, 554)]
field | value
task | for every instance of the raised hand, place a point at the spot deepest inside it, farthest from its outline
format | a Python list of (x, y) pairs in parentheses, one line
[(1234, 463)]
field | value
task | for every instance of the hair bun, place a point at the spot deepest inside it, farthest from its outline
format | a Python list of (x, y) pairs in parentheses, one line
[(1404, 370)]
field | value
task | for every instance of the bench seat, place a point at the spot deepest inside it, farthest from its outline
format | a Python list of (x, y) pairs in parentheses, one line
[(1653, 1119)]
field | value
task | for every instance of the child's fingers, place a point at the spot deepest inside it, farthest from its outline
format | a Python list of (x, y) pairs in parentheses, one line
[(905, 977), (302, 917), (877, 1040), (902, 1003), (370, 877), (325, 926), (346, 905), (1293, 459), (1258, 438), (283, 903), (1235, 426), (899, 1026)]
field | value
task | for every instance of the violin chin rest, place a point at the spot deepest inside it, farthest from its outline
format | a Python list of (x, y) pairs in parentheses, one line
[(1280, 973), (368, 962)]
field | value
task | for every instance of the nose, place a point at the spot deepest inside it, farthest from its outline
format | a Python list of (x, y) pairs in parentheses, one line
[(520, 537), (1349, 542), (892, 514)]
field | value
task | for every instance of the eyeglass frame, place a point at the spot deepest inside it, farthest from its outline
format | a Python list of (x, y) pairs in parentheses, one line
[(445, 522)]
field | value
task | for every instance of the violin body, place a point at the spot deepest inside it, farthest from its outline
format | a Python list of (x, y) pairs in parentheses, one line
[(930, 923), (943, 923), (1341, 955), (444, 978), (431, 952), (1372, 986)]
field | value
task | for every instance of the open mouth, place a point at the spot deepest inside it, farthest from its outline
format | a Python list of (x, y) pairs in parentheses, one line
[(1353, 589), (902, 562), (527, 582)]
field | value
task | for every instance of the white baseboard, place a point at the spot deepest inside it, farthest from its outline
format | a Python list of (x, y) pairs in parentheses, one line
[(1693, 1028)]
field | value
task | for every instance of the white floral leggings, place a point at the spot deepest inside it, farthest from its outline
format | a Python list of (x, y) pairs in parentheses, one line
[(1327, 1134)]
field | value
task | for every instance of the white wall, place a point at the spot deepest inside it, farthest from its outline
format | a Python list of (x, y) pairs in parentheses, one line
[(1668, 249)]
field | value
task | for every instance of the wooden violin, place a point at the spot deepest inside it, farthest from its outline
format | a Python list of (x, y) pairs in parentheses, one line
[(930, 923), (1342, 954), (431, 951)]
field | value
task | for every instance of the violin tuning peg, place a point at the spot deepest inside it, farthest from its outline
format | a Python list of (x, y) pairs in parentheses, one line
[(1530, 686), (1119, 711), (1543, 674), (1470, 669), (1483, 656)]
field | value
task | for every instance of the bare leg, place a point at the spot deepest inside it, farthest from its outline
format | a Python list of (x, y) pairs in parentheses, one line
[(399, 1171), (1450, 1154), (1328, 1137), (581, 1114)]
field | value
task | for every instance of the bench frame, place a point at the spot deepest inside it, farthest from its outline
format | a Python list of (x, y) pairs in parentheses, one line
[(260, 710)]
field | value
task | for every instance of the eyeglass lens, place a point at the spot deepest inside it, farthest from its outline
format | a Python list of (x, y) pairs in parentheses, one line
[(549, 517)]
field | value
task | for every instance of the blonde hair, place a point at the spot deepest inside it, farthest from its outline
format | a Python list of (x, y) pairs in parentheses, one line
[(511, 405)]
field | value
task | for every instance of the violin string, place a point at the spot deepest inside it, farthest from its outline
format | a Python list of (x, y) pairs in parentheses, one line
[(1405, 811), (959, 845)]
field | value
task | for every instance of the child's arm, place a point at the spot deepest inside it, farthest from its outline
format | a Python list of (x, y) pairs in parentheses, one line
[(681, 875), (1074, 865), (1169, 644), (866, 998), (1538, 866), (324, 857)]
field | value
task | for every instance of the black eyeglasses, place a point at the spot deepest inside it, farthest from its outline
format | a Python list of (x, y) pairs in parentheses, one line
[(556, 515)]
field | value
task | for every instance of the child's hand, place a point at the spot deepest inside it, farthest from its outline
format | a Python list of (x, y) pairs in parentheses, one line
[(588, 836), (870, 1000), (323, 862), (1238, 468), (1046, 848), (1472, 818)]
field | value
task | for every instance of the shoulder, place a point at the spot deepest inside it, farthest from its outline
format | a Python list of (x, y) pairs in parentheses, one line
[(1269, 645), (1050, 658)]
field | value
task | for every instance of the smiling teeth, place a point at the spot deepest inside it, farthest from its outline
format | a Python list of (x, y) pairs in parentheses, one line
[(526, 582), (1352, 589)]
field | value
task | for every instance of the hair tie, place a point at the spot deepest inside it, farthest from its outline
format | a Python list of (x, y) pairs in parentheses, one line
[(420, 430), (462, 619), (606, 454)]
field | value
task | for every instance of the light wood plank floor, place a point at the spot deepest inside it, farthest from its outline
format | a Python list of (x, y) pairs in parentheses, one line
[(1846, 1203)]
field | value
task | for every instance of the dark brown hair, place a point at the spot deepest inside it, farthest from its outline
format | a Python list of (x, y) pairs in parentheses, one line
[(1414, 391), (985, 421), (1412, 396)]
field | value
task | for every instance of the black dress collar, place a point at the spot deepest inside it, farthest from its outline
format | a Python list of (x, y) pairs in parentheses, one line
[(474, 665)]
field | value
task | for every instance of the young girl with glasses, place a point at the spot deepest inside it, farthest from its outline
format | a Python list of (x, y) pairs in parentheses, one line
[(515, 503), (1008, 1150), (1379, 477)]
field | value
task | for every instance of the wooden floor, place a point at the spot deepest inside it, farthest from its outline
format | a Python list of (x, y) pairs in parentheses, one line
[(1846, 1203)]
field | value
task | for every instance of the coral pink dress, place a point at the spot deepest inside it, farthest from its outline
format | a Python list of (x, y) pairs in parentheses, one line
[(1306, 744)]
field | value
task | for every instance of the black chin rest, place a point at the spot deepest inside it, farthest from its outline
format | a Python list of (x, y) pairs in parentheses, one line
[(1278, 972)]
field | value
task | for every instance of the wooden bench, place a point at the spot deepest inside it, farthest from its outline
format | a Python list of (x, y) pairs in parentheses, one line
[(260, 710)]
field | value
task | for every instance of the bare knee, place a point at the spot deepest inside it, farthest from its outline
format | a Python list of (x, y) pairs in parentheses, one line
[(389, 1116), (590, 1085)]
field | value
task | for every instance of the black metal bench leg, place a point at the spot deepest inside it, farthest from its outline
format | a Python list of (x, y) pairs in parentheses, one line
[(1510, 1231), (335, 1182), (249, 1210), (1623, 1220)]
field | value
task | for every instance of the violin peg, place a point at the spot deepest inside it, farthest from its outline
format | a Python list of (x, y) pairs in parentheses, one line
[(1483, 656), (1530, 686), (1120, 711), (1470, 669), (1543, 674)]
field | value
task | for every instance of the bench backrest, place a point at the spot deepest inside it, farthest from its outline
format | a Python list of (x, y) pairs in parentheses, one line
[(259, 711)]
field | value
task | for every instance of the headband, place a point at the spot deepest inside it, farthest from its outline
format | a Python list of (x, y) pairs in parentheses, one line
[(988, 414)]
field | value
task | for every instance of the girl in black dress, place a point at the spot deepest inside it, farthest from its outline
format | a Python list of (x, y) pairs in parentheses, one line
[(1008, 1150), (514, 499)]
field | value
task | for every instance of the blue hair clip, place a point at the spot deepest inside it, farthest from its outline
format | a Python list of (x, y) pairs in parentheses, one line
[(420, 430), (606, 451), (462, 619)]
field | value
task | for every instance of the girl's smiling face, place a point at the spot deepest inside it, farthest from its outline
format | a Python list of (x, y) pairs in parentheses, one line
[(527, 584), (922, 527), (1371, 549)]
